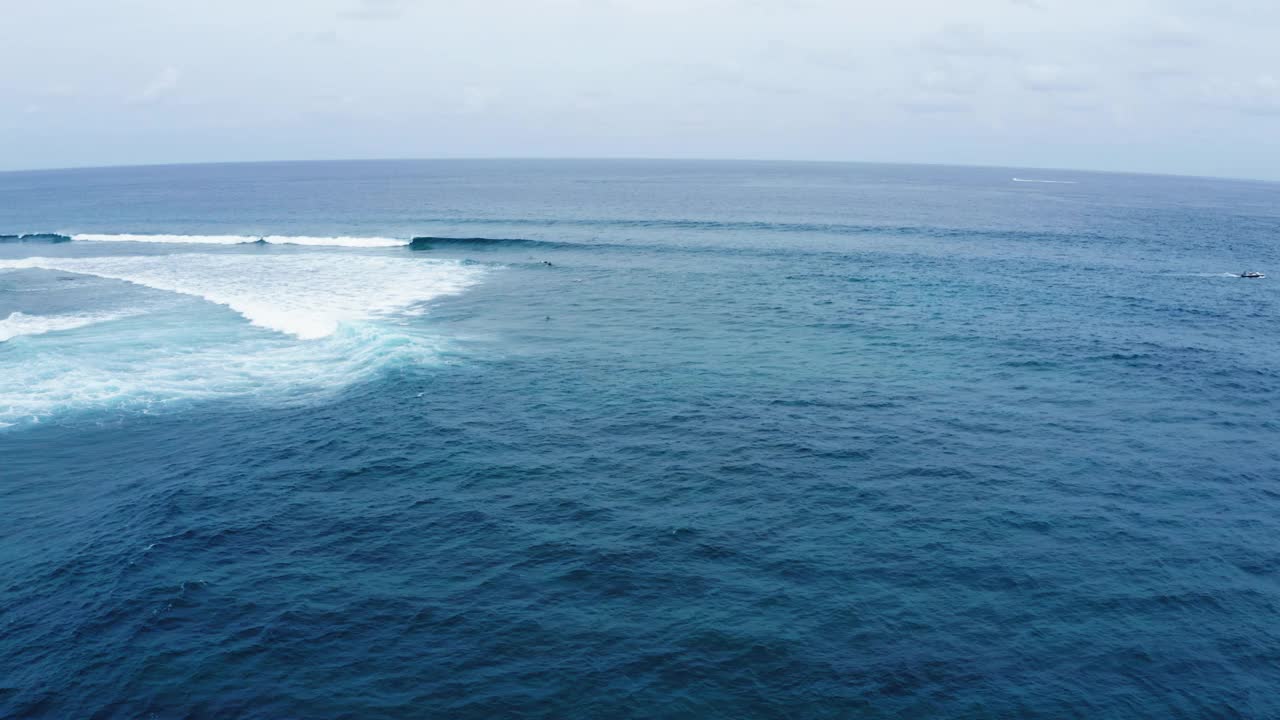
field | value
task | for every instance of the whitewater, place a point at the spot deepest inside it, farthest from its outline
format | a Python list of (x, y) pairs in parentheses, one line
[(303, 322), (19, 323), (303, 240), (307, 296)]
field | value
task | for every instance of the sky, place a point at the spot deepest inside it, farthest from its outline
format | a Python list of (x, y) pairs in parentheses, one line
[(1165, 86)]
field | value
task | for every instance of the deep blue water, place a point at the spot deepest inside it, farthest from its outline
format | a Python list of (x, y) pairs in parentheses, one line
[(762, 440)]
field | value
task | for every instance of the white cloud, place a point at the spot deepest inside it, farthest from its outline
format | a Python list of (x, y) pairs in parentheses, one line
[(952, 80), (1053, 79), (926, 103), (478, 99), (1258, 95), (377, 9), (964, 40), (163, 84), (1172, 32)]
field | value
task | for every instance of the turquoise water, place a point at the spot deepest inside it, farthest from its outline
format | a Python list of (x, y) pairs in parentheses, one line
[(637, 439)]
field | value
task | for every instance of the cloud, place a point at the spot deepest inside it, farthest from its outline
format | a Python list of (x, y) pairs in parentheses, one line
[(510, 76), (478, 99), (959, 40), (946, 87), (377, 9), (60, 90), (163, 84), (1171, 32), (1259, 95), (839, 61), (1052, 79), (927, 104), (949, 80), (1163, 71), (323, 37)]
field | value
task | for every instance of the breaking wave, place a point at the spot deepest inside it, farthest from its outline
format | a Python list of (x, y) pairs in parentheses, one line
[(339, 241), (337, 319), (541, 229), (35, 238), (429, 242), (306, 296)]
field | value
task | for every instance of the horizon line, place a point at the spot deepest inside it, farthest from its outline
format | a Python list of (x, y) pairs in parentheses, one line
[(574, 158)]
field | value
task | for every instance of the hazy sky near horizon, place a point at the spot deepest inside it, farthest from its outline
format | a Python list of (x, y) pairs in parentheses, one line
[(1177, 86)]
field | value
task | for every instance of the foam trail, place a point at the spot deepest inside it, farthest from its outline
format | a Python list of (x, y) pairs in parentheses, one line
[(1054, 182), (19, 323), (307, 296), (338, 241)]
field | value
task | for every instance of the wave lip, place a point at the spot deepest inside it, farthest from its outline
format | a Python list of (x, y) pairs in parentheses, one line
[(426, 242), (315, 241), (20, 323), (35, 237)]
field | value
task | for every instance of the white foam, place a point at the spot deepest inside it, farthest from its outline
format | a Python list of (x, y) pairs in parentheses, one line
[(339, 241), (307, 296), (341, 318), (19, 323), (179, 364), (1053, 182)]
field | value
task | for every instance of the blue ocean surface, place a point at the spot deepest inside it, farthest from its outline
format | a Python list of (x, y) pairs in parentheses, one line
[(616, 439)]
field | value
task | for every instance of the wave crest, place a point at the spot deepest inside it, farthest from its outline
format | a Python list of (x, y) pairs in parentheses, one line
[(427, 242), (314, 241), (35, 238)]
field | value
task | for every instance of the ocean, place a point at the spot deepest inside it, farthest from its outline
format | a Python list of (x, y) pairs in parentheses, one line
[(625, 439)]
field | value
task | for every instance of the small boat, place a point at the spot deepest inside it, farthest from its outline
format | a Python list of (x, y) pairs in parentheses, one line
[(1251, 274)]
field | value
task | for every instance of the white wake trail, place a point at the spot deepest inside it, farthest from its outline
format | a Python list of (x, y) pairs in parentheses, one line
[(1051, 182)]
